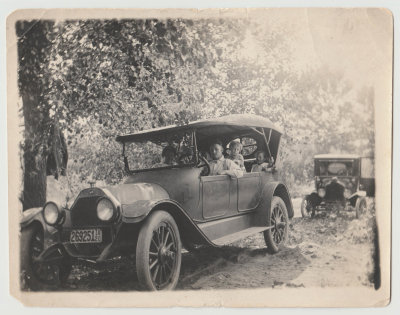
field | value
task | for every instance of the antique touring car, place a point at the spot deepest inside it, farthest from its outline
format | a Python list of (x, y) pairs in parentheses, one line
[(160, 208), (342, 182)]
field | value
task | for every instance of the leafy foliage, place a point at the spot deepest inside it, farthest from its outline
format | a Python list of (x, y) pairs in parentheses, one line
[(101, 78)]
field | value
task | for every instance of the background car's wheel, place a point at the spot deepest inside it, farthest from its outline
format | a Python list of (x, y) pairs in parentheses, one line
[(306, 208), (361, 206), (278, 219), (158, 252), (336, 208), (38, 275)]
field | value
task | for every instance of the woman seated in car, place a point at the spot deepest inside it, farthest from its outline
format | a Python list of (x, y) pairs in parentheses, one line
[(261, 164)]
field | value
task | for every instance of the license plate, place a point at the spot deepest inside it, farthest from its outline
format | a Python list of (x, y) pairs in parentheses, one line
[(86, 236)]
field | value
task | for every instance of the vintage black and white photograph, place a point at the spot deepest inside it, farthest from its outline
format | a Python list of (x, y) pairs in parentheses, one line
[(186, 150)]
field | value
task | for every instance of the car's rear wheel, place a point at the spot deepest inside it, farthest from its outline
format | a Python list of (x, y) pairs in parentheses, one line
[(306, 208), (158, 252), (40, 275), (361, 206), (278, 221)]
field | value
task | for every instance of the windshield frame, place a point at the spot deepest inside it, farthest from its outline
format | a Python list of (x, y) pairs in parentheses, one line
[(193, 146)]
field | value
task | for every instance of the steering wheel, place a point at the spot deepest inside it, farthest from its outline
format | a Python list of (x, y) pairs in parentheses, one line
[(206, 166)]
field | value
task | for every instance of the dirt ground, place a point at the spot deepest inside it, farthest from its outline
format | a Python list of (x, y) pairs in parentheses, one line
[(326, 251)]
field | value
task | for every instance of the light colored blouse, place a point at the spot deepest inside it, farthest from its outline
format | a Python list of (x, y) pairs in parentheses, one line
[(239, 160), (223, 164)]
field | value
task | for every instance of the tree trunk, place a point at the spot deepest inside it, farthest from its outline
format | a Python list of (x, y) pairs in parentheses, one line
[(34, 192), (33, 49)]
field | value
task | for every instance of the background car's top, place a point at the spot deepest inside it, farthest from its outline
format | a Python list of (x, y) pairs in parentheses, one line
[(336, 156)]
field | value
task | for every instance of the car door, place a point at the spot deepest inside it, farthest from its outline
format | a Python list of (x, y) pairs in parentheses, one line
[(249, 191), (219, 196)]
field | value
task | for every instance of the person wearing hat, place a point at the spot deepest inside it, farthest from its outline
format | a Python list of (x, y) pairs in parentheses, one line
[(168, 155)]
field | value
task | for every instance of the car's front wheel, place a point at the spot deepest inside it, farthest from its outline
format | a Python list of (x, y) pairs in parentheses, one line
[(158, 252), (278, 222), (38, 275), (361, 206)]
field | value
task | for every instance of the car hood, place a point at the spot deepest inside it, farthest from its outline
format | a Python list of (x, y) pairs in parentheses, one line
[(130, 193)]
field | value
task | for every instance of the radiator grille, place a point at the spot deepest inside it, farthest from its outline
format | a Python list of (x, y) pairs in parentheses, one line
[(84, 212)]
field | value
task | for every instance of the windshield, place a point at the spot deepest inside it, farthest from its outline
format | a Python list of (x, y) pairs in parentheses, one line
[(173, 151), (334, 168)]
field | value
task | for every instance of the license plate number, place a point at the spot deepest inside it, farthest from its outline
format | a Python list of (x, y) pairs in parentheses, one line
[(86, 236)]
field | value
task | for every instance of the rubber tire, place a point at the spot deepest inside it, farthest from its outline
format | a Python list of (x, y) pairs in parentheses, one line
[(143, 247), (32, 281), (272, 247), (360, 201)]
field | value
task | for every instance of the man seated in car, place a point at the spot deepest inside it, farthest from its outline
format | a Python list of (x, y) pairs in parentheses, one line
[(169, 157), (221, 166)]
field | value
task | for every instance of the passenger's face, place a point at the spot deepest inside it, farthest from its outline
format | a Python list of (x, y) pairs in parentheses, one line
[(235, 150), (216, 151), (260, 158)]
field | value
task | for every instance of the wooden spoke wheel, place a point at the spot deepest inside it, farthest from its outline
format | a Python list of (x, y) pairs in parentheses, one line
[(361, 206), (278, 220), (40, 275), (158, 252)]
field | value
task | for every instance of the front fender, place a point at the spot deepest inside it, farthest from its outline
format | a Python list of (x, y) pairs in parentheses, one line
[(190, 232), (359, 193), (34, 216), (314, 199), (138, 210), (30, 215), (270, 190), (130, 193), (353, 198)]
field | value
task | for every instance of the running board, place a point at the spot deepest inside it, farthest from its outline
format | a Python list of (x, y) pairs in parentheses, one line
[(228, 230), (230, 238)]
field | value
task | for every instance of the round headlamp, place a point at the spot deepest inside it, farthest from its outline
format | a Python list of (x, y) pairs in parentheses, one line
[(106, 210), (347, 193), (52, 214), (321, 192)]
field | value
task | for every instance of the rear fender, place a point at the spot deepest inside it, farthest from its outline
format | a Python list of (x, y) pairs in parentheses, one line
[(188, 229), (269, 191)]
